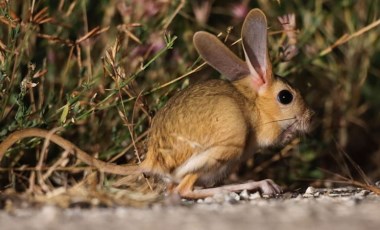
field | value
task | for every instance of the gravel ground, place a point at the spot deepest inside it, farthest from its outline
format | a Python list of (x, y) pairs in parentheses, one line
[(345, 208)]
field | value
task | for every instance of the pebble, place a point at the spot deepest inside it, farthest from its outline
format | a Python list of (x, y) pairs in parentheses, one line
[(266, 196), (310, 191), (362, 193), (244, 195), (254, 196), (233, 197), (307, 195), (333, 195), (209, 200), (350, 193)]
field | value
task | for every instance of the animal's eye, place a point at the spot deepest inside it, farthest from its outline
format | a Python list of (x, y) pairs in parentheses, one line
[(285, 97)]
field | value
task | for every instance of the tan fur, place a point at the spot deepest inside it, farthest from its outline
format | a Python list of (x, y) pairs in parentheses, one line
[(176, 134), (207, 129), (222, 119)]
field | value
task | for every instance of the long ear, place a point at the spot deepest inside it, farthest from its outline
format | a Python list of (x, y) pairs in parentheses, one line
[(216, 54), (254, 37)]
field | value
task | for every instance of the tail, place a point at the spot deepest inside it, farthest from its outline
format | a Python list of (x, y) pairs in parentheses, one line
[(71, 148)]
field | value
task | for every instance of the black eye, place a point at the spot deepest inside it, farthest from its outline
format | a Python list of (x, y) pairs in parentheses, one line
[(285, 97)]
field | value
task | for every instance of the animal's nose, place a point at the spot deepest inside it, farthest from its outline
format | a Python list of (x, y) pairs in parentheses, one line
[(311, 117)]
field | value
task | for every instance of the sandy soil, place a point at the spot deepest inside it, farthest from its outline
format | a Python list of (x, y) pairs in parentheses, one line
[(358, 210)]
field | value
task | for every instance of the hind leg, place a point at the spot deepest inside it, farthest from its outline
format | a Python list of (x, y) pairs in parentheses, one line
[(186, 186)]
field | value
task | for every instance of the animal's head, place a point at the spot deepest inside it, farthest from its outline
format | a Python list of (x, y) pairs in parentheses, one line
[(280, 111)]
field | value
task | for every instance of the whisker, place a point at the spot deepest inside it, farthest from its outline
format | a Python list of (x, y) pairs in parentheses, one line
[(286, 119), (287, 128)]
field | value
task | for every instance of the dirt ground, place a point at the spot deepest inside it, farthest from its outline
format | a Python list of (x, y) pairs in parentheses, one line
[(339, 209)]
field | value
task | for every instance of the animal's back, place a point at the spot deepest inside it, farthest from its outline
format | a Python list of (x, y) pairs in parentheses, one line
[(198, 118)]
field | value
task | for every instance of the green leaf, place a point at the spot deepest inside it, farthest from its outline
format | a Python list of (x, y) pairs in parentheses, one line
[(64, 114)]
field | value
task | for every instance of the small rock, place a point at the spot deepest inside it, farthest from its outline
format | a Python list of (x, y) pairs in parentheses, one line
[(308, 195), (200, 201), (235, 196), (183, 202), (345, 190), (377, 183), (298, 197), (288, 195), (254, 196), (310, 190), (209, 200), (362, 193), (266, 196), (333, 195), (244, 195), (232, 198)]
